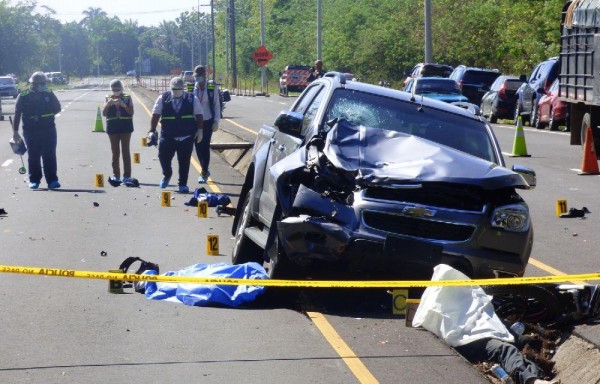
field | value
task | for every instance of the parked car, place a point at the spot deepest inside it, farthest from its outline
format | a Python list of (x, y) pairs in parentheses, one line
[(436, 88), (428, 70), (474, 82), (187, 76), (551, 110), (8, 87), (536, 86), (293, 78), (56, 78), (367, 179), (499, 101), (131, 73)]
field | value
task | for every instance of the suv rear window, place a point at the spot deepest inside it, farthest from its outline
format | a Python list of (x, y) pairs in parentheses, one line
[(6, 81), (513, 85), (435, 71), (480, 77), (361, 108)]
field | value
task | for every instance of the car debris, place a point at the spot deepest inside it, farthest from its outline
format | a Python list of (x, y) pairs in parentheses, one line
[(574, 212)]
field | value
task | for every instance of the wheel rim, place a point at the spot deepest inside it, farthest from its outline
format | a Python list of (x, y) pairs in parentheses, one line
[(239, 234)]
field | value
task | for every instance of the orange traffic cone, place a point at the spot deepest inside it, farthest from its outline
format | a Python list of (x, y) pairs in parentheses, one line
[(589, 165)]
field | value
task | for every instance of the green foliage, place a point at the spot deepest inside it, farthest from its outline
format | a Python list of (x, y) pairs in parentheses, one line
[(374, 39)]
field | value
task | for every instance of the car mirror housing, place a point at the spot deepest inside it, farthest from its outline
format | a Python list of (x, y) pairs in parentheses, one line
[(523, 78), (289, 122), (527, 173)]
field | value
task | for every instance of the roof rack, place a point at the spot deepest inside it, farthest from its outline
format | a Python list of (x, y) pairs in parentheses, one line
[(337, 75)]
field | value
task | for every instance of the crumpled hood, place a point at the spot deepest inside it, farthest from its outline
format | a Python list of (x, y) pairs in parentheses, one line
[(382, 157)]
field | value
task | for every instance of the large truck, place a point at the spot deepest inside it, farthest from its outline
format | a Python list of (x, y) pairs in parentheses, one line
[(580, 68)]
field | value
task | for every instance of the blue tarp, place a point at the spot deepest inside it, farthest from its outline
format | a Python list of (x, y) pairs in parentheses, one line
[(209, 295)]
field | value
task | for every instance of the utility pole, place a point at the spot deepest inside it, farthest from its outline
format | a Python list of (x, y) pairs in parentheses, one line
[(428, 49), (319, 30), (233, 54), (262, 43), (214, 46)]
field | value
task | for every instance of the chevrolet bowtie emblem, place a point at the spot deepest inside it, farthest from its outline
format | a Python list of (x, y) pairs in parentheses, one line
[(417, 211)]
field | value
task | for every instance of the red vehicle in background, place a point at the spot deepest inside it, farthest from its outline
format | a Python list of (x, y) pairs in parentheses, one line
[(551, 110)]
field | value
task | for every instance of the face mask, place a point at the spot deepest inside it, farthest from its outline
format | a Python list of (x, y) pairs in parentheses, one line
[(117, 93), (41, 87), (199, 79), (177, 92)]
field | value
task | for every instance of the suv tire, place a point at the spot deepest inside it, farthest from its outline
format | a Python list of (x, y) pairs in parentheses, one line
[(552, 123), (244, 249)]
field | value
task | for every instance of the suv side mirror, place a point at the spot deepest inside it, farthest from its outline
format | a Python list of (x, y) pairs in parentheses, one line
[(527, 173), (523, 78), (289, 122)]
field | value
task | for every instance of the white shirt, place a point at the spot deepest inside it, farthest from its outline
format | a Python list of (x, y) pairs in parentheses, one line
[(157, 109), (202, 95)]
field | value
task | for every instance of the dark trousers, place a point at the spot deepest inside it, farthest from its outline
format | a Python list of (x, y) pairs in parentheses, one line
[(41, 146), (119, 143), (503, 353), (203, 147), (167, 147)]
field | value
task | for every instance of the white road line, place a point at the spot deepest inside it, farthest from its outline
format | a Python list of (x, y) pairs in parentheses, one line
[(7, 162)]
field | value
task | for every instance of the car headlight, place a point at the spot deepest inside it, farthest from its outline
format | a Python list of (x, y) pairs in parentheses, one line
[(514, 218)]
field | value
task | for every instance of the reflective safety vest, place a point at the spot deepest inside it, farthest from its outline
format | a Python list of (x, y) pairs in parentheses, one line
[(38, 109), (117, 118), (178, 124)]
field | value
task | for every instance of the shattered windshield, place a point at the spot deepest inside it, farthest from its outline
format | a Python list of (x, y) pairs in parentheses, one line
[(361, 108)]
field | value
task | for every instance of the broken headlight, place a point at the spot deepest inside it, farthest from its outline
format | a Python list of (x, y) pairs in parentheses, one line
[(513, 218)]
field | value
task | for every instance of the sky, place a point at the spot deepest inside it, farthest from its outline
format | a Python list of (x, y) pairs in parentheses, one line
[(146, 12)]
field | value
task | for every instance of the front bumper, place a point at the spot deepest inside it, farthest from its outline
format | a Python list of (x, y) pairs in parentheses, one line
[(387, 237)]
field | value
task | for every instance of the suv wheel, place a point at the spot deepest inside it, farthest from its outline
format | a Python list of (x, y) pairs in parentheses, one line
[(244, 249), (534, 115), (279, 266), (493, 118)]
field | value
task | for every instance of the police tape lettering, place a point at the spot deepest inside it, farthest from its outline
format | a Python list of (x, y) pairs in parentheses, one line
[(294, 283)]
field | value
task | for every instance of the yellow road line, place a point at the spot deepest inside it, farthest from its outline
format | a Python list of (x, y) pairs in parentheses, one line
[(342, 349), (549, 269), (240, 126)]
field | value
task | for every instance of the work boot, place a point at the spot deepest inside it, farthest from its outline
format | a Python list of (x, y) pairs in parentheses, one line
[(53, 184), (34, 185), (164, 182)]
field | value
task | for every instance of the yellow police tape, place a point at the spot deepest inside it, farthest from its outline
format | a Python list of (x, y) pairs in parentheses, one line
[(292, 283)]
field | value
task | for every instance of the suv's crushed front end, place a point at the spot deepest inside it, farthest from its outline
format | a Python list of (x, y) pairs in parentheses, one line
[(380, 200)]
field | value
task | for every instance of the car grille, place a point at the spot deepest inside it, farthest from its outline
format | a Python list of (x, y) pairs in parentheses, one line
[(417, 227), (459, 197)]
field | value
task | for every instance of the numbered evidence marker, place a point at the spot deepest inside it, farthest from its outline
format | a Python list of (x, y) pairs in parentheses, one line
[(203, 209), (561, 207), (136, 157), (399, 297), (165, 199), (212, 245), (144, 142), (99, 181), (115, 286)]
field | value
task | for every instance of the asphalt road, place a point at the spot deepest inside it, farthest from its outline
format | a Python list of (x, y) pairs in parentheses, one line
[(58, 330)]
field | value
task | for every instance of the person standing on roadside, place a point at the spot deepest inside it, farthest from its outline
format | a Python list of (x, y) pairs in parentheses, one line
[(37, 107), (207, 92), (180, 116), (118, 111), (317, 72)]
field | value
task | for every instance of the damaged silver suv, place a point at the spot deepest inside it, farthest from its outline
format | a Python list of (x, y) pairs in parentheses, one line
[(379, 182)]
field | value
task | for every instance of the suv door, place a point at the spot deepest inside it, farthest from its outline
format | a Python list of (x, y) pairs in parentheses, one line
[(529, 88), (282, 144)]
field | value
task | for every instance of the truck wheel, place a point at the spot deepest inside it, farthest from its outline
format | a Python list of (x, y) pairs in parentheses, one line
[(585, 124), (279, 267), (534, 116), (244, 249), (553, 124)]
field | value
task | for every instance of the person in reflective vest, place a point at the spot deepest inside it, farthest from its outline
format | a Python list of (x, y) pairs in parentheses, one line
[(208, 94), (180, 116), (118, 110), (37, 107)]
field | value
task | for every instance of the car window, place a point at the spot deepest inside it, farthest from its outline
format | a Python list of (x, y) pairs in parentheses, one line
[(6, 81), (434, 86), (497, 84), (480, 77), (554, 86), (535, 72), (513, 84), (311, 111), (453, 130), (306, 99), (435, 71)]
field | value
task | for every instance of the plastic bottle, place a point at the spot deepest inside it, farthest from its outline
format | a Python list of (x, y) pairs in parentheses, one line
[(518, 328), (501, 374)]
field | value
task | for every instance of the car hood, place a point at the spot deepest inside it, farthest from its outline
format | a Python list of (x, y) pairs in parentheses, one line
[(382, 157)]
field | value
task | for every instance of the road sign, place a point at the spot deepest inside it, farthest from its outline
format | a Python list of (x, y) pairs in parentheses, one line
[(262, 56)]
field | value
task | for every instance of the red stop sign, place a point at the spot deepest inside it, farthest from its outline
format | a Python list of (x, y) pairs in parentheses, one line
[(262, 55)]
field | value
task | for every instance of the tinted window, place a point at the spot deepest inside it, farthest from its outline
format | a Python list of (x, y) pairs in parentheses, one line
[(462, 133), (306, 99), (311, 111), (433, 86), (6, 81), (513, 85), (480, 77), (436, 71)]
